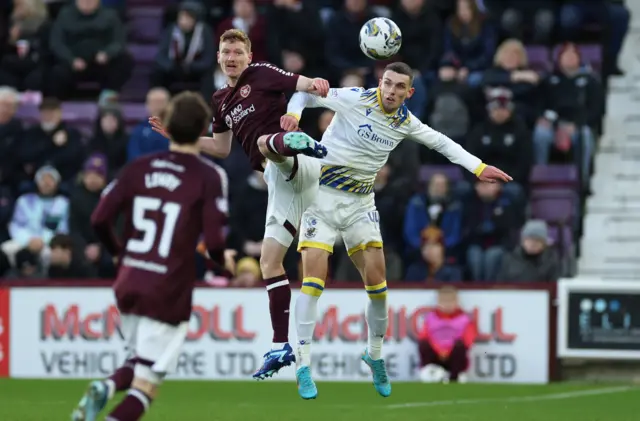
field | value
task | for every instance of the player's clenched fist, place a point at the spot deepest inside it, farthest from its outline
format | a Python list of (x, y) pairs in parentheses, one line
[(289, 123), (492, 174), (319, 87), (156, 126)]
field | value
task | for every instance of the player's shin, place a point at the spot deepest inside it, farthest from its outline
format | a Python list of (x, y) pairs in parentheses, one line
[(306, 310), (376, 314), (139, 397), (121, 378)]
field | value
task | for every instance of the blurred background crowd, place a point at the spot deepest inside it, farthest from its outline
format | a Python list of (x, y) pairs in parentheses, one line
[(521, 84)]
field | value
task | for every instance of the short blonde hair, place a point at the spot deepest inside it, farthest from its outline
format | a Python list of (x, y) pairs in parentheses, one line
[(233, 35), (509, 44)]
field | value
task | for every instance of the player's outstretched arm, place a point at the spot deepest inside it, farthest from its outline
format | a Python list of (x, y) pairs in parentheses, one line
[(455, 153), (218, 146), (315, 86)]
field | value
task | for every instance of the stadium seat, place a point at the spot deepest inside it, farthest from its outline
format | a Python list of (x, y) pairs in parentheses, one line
[(143, 53), (145, 24), (555, 176), (554, 210), (538, 56), (453, 172)]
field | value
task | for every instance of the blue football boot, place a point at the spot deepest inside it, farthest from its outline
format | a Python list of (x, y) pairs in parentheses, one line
[(93, 401), (379, 373), (274, 360), (305, 144), (306, 386)]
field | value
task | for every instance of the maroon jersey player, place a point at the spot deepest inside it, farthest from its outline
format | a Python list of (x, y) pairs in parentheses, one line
[(167, 200), (249, 107)]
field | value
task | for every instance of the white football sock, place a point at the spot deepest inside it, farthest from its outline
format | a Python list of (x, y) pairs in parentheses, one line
[(306, 310), (276, 346), (377, 317)]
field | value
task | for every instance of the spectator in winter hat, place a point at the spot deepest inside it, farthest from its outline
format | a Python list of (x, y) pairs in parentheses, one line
[(534, 260), (84, 199)]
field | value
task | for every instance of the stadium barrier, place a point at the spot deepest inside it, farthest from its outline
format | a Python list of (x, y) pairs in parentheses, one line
[(599, 319), (70, 330)]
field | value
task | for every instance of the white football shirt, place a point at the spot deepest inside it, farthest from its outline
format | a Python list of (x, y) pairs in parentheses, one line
[(362, 135)]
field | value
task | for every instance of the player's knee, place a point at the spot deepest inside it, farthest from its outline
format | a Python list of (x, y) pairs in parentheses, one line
[(270, 265)]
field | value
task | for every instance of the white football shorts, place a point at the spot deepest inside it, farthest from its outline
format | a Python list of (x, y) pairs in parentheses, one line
[(335, 212), (293, 186), (154, 341)]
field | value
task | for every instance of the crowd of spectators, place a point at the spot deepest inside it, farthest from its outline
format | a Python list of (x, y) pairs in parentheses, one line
[(474, 84)]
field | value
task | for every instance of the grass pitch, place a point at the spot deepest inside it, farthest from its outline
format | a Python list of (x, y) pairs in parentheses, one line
[(49, 400)]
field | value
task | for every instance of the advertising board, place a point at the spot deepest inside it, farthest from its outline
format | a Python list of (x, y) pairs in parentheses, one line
[(73, 333)]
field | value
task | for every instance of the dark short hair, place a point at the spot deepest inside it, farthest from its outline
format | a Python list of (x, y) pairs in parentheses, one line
[(401, 68), (50, 104), (62, 241), (187, 118)]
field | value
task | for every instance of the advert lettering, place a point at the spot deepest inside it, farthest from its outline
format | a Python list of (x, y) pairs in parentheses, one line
[(92, 327), (70, 363), (209, 322), (403, 324), (489, 365), (234, 363), (191, 364)]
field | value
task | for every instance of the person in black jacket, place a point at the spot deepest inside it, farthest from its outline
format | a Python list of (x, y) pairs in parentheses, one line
[(26, 54), (422, 41), (186, 54), (11, 132), (503, 138), (342, 47), (88, 42), (110, 138), (572, 98), (63, 263), (297, 40), (84, 199), (488, 222), (51, 142), (511, 70)]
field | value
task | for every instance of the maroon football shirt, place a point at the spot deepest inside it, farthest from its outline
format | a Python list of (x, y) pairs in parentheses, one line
[(167, 200), (253, 107)]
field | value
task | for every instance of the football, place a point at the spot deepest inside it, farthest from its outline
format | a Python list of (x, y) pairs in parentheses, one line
[(380, 38)]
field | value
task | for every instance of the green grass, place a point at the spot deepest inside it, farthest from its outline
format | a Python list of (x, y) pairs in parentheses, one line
[(49, 400)]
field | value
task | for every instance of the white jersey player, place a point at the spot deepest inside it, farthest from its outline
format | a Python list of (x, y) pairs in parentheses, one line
[(368, 124)]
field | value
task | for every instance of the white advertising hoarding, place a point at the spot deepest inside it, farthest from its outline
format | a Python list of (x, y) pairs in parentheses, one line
[(73, 333)]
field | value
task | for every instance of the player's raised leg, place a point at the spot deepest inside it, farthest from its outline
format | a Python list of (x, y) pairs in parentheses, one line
[(369, 259), (276, 146)]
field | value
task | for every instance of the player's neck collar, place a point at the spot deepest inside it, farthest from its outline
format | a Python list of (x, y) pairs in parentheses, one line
[(379, 97)]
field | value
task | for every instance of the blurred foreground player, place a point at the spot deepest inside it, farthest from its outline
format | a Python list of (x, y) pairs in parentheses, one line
[(168, 200), (249, 108), (444, 340)]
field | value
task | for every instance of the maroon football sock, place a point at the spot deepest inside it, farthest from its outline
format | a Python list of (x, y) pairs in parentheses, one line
[(123, 376), (279, 301), (132, 407), (276, 145)]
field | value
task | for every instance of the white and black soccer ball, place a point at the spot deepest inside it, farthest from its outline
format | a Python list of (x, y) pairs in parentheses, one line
[(380, 38)]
